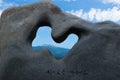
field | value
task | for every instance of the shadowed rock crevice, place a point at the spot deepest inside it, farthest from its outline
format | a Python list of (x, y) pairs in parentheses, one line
[(94, 57)]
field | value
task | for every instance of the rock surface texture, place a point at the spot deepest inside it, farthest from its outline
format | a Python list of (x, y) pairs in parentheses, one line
[(96, 55)]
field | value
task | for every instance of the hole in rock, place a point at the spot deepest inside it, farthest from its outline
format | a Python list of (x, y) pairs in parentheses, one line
[(44, 39)]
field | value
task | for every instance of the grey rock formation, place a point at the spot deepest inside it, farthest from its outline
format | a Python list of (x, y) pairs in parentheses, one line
[(96, 55)]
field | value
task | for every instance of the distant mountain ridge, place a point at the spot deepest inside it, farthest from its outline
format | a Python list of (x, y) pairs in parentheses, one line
[(57, 52)]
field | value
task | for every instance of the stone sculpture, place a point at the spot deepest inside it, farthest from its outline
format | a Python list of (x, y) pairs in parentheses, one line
[(96, 55)]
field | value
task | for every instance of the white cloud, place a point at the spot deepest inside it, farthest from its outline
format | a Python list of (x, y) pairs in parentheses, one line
[(116, 2), (4, 4), (1, 12), (97, 15), (1, 1)]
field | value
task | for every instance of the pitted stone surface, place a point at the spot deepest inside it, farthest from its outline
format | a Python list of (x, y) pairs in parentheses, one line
[(96, 55)]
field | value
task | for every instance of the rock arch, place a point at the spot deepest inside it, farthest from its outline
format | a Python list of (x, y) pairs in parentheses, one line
[(94, 57)]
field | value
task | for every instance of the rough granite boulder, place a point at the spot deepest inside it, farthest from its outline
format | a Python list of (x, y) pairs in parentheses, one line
[(96, 55)]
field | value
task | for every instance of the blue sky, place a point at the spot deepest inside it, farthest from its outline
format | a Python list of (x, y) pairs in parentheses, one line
[(91, 10)]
